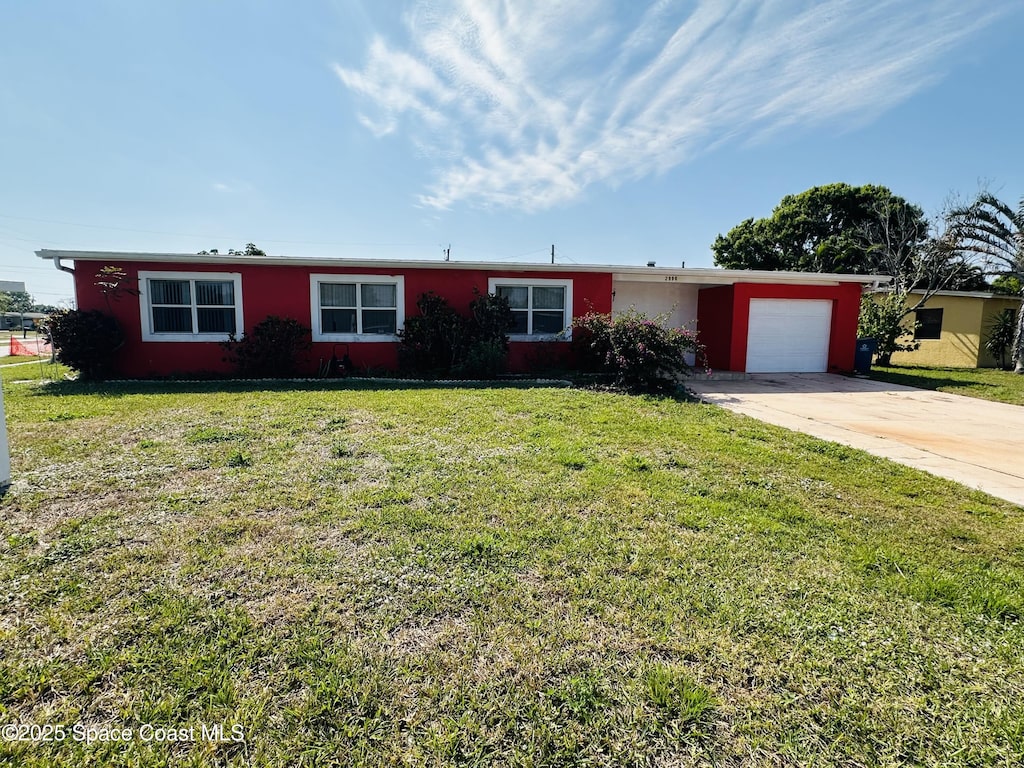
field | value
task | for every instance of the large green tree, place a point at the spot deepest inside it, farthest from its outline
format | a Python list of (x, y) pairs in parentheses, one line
[(249, 250), (16, 301), (19, 301), (820, 230), (993, 232), (860, 230)]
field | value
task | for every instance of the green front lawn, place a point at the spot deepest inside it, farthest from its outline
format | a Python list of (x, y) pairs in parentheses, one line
[(15, 359), (984, 383), (429, 576)]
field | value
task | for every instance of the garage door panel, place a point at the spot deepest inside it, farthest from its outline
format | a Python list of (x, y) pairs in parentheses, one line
[(788, 335)]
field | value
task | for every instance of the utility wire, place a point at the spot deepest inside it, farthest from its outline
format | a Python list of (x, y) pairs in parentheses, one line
[(31, 269), (258, 240), (214, 237)]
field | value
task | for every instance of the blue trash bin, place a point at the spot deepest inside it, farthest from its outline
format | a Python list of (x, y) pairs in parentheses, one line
[(866, 349)]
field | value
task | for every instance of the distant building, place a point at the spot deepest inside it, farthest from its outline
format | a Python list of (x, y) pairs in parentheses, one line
[(952, 329), (16, 320)]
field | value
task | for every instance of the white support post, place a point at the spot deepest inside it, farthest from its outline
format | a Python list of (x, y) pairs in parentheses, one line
[(5, 452)]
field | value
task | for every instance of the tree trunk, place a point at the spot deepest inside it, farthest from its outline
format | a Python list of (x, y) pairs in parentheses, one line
[(1018, 343)]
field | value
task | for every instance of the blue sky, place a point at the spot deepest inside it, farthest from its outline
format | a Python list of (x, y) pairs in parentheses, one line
[(619, 131)]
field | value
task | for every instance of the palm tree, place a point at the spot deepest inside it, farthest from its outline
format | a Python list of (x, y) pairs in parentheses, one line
[(993, 231)]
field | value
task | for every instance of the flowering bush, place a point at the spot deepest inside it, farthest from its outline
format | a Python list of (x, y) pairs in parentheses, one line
[(642, 353)]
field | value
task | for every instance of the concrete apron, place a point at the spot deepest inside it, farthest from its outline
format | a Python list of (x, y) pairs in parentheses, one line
[(974, 442)]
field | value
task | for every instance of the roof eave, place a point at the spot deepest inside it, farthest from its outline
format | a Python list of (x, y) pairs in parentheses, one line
[(626, 272)]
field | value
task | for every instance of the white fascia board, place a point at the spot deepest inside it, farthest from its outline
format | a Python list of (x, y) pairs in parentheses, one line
[(732, 276), (710, 276), (325, 262)]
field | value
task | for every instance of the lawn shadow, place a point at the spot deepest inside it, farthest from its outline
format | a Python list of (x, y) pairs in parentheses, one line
[(170, 386), (928, 382)]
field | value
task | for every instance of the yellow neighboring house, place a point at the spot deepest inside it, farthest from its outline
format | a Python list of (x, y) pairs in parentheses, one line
[(953, 327)]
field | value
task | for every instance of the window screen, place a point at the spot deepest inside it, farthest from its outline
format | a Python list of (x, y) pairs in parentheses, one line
[(537, 310), (359, 308), (192, 306)]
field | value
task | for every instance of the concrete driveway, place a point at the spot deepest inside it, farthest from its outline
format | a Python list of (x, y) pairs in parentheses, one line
[(974, 442)]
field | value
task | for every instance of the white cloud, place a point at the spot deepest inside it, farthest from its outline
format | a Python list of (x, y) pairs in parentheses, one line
[(525, 103)]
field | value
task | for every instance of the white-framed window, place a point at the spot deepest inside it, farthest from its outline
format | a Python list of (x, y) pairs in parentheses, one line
[(357, 307), (541, 308), (190, 306)]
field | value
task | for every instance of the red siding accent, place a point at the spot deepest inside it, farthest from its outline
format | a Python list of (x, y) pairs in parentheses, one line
[(715, 323), (283, 290), (723, 316), (845, 312)]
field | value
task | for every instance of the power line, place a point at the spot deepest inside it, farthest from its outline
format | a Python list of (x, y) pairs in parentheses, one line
[(259, 240), (505, 256), (530, 253), (21, 268), (562, 256), (117, 229), (211, 237), (36, 240)]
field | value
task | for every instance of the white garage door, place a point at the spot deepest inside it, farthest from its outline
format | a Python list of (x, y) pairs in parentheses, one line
[(788, 335)]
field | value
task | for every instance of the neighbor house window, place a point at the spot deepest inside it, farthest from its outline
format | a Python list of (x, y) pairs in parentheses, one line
[(929, 324), (198, 306), (357, 307), (540, 308)]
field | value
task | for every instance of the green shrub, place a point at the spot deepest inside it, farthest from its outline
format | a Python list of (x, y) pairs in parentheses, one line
[(642, 354), (85, 341), (275, 348), (433, 341), (483, 360), (489, 320), (1000, 334), (441, 342)]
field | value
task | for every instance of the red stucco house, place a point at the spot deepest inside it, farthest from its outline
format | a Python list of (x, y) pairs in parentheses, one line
[(181, 305)]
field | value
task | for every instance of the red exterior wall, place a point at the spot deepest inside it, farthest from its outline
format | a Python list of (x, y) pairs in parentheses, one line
[(714, 325), (284, 291), (724, 313)]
